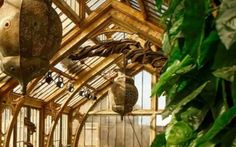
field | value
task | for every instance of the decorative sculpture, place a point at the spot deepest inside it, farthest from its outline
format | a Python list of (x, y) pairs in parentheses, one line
[(132, 50), (124, 93), (30, 34)]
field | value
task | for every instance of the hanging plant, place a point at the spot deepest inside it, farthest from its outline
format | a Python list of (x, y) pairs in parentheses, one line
[(199, 77)]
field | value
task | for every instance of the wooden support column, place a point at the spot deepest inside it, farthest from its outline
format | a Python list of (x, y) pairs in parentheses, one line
[(42, 126), (16, 109), (70, 124), (82, 5), (143, 9), (154, 108)]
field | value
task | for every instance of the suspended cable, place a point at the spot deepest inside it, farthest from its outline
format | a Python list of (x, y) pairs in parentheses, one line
[(135, 132)]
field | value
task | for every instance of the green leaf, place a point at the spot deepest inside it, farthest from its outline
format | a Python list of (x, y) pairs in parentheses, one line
[(174, 108), (193, 27), (227, 73), (233, 89), (207, 47), (224, 58), (225, 23), (172, 7), (159, 3), (194, 116), (179, 133), (169, 74), (218, 125), (159, 141), (228, 138), (166, 47)]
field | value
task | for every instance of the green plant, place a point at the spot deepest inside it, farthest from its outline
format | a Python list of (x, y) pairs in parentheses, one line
[(199, 78)]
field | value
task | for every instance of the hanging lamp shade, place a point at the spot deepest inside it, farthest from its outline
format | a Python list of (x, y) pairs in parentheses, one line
[(30, 34), (124, 94)]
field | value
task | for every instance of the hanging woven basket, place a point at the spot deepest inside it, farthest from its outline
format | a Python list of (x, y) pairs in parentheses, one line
[(124, 94)]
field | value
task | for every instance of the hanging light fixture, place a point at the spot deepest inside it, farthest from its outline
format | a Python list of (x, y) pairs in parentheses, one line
[(59, 82), (30, 34), (48, 78), (70, 87)]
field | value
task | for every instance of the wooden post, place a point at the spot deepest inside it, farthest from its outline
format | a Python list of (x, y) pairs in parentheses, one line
[(42, 126)]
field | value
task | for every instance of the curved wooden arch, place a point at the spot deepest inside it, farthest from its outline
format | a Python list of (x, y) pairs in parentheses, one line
[(16, 110), (79, 129), (80, 83)]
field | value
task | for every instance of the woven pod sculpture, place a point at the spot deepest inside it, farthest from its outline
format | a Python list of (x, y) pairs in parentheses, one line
[(124, 94), (30, 34)]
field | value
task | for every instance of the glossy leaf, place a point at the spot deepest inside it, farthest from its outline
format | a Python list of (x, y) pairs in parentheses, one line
[(226, 73), (179, 133), (208, 46), (173, 109), (193, 26), (169, 74), (160, 141), (218, 125), (233, 89)]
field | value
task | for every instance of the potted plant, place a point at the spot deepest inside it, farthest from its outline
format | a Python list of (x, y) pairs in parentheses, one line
[(199, 78)]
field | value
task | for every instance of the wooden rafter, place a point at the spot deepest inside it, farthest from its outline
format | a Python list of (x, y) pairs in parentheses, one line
[(33, 102), (82, 5), (131, 19), (143, 9), (78, 36), (78, 84), (67, 10)]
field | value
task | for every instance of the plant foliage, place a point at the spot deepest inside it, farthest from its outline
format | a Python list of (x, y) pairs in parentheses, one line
[(199, 77)]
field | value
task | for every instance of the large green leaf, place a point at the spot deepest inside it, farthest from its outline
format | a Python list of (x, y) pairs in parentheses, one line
[(224, 58), (176, 107), (194, 116), (228, 138), (226, 73), (169, 74), (179, 133), (233, 89), (159, 141), (208, 46), (193, 26), (218, 125)]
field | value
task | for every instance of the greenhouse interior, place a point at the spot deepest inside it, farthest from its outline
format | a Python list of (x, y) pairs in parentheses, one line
[(118, 73)]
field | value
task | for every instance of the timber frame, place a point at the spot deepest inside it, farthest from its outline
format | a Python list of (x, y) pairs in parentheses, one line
[(115, 12)]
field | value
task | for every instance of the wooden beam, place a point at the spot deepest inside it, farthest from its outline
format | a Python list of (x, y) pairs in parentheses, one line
[(78, 84), (83, 35), (34, 102), (82, 5), (134, 112), (132, 20), (79, 128), (67, 10), (143, 9), (54, 69), (9, 85)]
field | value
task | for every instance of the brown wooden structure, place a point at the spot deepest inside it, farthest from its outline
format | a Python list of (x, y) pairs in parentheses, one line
[(85, 23)]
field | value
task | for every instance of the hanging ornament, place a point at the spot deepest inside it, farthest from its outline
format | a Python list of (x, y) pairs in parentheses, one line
[(30, 34), (124, 94)]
